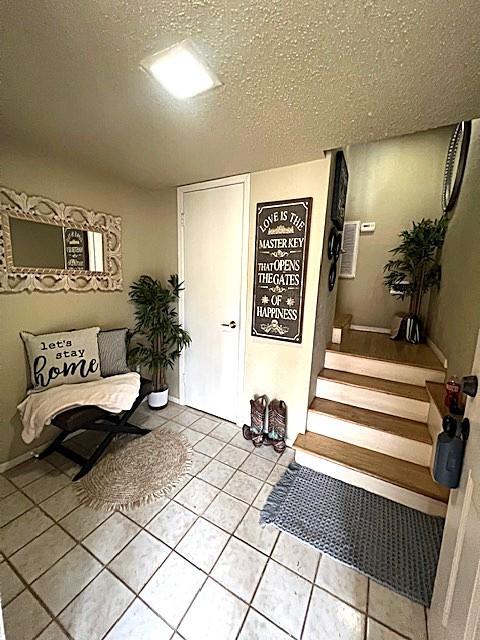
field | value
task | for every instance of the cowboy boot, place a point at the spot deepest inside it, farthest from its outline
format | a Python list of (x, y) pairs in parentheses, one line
[(277, 425), (258, 412)]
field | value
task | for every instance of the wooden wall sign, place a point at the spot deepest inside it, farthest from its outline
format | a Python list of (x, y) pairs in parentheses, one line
[(281, 251), (75, 249)]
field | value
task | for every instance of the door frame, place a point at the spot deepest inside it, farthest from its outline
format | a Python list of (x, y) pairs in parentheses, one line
[(243, 179)]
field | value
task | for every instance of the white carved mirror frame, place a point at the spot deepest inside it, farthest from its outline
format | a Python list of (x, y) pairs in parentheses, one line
[(43, 210)]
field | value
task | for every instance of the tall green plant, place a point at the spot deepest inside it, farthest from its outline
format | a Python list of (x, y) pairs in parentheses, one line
[(416, 268), (157, 321)]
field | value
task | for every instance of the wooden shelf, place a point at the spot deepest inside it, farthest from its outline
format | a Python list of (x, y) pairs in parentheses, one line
[(406, 475), (410, 429), (376, 384)]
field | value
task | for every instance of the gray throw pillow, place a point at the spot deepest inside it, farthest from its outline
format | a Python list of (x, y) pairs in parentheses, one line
[(66, 357), (112, 348)]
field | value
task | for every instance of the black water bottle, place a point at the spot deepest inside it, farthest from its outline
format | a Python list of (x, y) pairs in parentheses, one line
[(450, 451)]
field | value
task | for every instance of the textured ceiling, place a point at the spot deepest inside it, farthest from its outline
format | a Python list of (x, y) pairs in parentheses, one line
[(299, 77)]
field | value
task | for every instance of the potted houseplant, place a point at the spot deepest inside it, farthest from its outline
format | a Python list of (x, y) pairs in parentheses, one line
[(416, 269), (161, 336)]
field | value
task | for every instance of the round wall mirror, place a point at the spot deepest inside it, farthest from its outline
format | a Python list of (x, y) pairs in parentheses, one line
[(455, 164)]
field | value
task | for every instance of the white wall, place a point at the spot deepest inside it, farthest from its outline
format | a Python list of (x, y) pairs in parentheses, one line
[(282, 370)]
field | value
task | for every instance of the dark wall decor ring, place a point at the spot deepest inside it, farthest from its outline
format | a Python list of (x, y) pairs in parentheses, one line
[(332, 236), (455, 164), (332, 276), (337, 248)]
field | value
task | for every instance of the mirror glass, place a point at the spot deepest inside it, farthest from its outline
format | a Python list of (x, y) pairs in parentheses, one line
[(46, 246)]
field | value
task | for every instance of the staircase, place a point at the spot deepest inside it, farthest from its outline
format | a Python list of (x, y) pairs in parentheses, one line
[(367, 424)]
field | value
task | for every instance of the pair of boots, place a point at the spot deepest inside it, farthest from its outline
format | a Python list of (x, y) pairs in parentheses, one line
[(259, 432)]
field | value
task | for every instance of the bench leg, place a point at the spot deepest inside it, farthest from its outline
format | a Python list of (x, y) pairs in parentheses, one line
[(95, 456), (53, 446)]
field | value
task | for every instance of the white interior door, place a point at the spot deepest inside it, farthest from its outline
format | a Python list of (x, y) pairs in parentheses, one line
[(455, 610), (212, 259)]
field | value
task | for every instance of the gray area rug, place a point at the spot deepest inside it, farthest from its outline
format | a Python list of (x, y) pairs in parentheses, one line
[(386, 541)]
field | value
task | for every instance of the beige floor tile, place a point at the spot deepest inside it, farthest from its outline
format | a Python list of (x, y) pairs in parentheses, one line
[(179, 486), (186, 418), (79, 566), (226, 512), (328, 617), (343, 582), (257, 627), (243, 486), (139, 622), (10, 583), (199, 462), (41, 553), (172, 523), (215, 614), (143, 515), (216, 473), (209, 446), (13, 506), (192, 436), (250, 530), (20, 531), (240, 442), (52, 632), (196, 496), (205, 425), (376, 631), (225, 431), (269, 453), (6, 487), (287, 457), (239, 568), (110, 537), (257, 467), (137, 563), (399, 613), (296, 555), (283, 596), (233, 456), (62, 463), (262, 496), (47, 485), (170, 411), (202, 544), (92, 614), (173, 588), (174, 427), (276, 474), (152, 421), (61, 503), (27, 472), (80, 522), (24, 618)]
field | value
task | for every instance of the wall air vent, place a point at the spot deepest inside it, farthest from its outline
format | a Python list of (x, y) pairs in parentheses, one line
[(351, 235)]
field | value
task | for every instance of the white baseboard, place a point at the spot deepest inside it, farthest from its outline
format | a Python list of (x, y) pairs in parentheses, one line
[(9, 464), (176, 400), (437, 352), (361, 327)]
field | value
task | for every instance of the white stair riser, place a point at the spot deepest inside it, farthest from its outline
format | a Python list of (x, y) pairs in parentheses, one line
[(369, 438), (369, 483), (382, 369), (372, 399)]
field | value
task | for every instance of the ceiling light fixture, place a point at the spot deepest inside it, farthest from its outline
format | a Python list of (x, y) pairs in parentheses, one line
[(181, 70)]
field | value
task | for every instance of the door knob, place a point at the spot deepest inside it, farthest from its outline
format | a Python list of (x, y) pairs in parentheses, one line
[(232, 324)]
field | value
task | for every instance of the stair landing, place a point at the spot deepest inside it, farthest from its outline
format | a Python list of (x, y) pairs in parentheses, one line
[(379, 346)]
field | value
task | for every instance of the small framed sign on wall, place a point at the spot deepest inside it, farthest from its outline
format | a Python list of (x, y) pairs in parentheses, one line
[(281, 252)]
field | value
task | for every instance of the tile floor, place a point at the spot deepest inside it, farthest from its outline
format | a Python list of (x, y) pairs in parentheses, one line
[(195, 566)]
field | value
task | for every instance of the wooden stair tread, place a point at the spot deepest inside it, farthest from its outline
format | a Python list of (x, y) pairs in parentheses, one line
[(379, 346), (411, 391), (436, 391), (342, 320), (378, 465), (410, 429)]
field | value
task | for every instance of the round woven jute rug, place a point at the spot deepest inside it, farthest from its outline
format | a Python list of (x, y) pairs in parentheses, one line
[(136, 471)]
